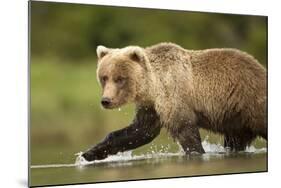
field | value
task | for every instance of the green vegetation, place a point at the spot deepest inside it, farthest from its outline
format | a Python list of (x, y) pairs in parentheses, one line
[(72, 32)]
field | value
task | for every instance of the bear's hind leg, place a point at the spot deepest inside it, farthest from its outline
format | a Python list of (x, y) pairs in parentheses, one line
[(263, 134), (238, 143), (189, 138), (228, 142)]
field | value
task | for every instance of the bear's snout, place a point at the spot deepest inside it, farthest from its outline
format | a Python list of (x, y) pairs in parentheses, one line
[(106, 102)]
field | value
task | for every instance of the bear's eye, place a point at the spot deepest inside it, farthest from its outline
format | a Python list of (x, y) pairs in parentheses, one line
[(120, 80), (104, 79)]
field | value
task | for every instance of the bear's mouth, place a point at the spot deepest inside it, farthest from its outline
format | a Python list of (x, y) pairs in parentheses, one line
[(113, 105), (110, 105)]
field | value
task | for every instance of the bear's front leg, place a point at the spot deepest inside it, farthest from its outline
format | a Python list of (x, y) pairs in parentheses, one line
[(145, 127), (189, 138)]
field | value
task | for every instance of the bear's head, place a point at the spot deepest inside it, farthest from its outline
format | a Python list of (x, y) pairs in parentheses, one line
[(120, 73)]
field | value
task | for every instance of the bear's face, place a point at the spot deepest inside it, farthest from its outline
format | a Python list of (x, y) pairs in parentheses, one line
[(119, 73)]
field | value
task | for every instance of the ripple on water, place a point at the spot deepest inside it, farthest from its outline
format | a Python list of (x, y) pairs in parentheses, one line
[(210, 148)]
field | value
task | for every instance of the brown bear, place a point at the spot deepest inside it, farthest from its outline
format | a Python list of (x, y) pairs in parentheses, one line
[(220, 90)]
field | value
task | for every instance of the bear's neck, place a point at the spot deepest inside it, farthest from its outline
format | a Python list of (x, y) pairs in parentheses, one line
[(147, 90)]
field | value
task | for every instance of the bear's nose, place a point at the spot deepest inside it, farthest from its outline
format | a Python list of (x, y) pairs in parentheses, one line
[(105, 101)]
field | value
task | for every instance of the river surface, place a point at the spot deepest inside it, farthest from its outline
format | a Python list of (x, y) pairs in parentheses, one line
[(126, 166)]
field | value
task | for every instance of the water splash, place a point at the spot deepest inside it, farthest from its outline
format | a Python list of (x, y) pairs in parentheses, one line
[(156, 153), (218, 148), (212, 148), (124, 157), (253, 149), (81, 161)]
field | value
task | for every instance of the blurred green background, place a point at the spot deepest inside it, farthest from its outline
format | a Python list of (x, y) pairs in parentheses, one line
[(66, 116)]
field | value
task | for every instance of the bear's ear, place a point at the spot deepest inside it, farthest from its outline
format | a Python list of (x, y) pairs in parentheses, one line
[(102, 51), (137, 54)]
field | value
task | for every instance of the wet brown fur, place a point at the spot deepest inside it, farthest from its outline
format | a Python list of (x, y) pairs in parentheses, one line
[(221, 90)]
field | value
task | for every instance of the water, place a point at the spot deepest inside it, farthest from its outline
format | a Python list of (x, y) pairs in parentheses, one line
[(160, 164)]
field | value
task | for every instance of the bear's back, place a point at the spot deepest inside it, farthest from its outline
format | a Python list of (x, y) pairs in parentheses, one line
[(228, 67)]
